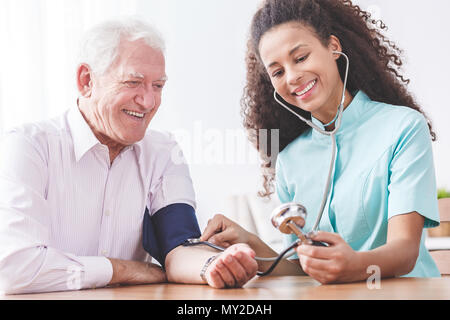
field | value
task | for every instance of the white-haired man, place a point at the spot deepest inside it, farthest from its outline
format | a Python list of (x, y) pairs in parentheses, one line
[(84, 196)]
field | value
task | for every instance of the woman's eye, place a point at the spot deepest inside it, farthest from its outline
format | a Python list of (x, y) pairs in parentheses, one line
[(301, 59), (277, 74)]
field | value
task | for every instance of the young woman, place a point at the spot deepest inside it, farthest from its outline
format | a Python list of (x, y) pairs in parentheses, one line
[(383, 191)]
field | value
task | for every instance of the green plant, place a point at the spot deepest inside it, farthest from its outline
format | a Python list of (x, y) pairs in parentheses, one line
[(442, 193)]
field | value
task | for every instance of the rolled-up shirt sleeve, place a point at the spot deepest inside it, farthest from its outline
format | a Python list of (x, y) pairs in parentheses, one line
[(28, 263)]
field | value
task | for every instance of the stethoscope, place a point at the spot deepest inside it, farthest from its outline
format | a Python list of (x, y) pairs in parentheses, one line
[(289, 218), (332, 134)]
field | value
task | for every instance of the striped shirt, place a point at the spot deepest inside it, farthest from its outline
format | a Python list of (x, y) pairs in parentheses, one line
[(64, 208)]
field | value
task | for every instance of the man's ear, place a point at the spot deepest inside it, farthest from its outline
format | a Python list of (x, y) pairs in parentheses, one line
[(84, 81)]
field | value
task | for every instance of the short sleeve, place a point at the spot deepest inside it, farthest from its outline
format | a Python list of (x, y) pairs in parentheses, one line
[(412, 183), (175, 184), (281, 185)]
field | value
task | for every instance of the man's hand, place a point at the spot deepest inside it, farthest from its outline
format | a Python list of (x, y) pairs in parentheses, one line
[(135, 272), (233, 268)]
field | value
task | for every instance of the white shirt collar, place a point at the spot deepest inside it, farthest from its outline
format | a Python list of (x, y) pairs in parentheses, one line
[(82, 136), (84, 139)]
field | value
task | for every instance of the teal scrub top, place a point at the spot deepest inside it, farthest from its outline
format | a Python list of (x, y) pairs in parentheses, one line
[(383, 168)]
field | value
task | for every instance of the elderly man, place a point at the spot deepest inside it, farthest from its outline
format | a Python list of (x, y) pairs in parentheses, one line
[(84, 196)]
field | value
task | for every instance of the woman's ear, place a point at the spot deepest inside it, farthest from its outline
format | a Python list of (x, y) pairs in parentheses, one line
[(84, 81), (335, 45)]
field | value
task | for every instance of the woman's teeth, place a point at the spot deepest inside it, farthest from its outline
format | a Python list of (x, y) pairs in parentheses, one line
[(134, 114), (309, 87)]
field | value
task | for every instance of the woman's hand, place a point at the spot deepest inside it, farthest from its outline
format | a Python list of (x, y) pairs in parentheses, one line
[(224, 232), (333, 264), (232, 268)]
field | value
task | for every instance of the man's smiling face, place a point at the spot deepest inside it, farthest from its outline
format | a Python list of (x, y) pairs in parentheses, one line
[(125, 99)]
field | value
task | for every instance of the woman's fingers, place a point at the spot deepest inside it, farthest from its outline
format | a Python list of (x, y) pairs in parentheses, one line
[(315, 251), (224, 238), (327, 264), (214, 225), (327, 237), (224, 232)]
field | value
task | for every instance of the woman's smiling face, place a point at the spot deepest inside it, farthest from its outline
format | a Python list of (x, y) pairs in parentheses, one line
[(302, 70)]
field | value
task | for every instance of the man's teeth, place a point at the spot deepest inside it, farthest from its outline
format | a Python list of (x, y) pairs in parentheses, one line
[(135, 114), (309, 87)]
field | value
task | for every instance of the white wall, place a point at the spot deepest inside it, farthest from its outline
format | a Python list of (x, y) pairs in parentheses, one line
[(206, 42), (422, 31), (206, 72)]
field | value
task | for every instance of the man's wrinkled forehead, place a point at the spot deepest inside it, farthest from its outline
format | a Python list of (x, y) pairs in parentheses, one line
[(138, 60), (140, 70)]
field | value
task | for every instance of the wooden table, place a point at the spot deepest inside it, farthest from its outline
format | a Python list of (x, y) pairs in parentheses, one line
[(266, 288)]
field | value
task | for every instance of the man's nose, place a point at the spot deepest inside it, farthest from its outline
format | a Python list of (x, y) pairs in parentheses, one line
[(146, 98)]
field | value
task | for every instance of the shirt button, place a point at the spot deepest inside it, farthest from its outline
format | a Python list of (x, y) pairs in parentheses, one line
[(104, 252), (107, 213)]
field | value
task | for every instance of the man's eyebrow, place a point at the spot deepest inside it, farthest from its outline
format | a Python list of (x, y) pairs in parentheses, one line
[(141, 76), (136, 75), (291, 52)]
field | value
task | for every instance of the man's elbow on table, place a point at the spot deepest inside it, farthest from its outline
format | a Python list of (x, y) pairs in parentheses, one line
[(16, 279)]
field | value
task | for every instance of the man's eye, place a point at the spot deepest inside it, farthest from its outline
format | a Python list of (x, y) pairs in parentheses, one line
[(132, 84)]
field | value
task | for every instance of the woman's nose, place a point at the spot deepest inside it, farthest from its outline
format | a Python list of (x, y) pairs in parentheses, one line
[(293, 76)]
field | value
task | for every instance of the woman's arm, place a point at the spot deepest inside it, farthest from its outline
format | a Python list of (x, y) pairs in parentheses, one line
[(340, 263), (398, 256)]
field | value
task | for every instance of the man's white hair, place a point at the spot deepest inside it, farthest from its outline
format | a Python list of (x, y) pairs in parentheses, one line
[(100, 44)]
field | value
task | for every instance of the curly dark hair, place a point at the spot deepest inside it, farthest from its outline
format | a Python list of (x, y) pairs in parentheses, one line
[(376, 59)]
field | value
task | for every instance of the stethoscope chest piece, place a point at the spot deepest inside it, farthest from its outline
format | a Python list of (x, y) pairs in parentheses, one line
[(284, 215), (290, 218)]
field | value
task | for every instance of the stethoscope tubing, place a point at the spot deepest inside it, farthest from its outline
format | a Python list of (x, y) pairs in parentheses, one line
[(195, 242)]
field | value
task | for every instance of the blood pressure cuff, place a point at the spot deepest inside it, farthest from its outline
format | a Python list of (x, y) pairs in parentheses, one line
[(168, 228)]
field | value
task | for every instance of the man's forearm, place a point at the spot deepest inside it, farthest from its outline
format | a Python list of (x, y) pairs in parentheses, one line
[(184, 264), (135, 272)]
